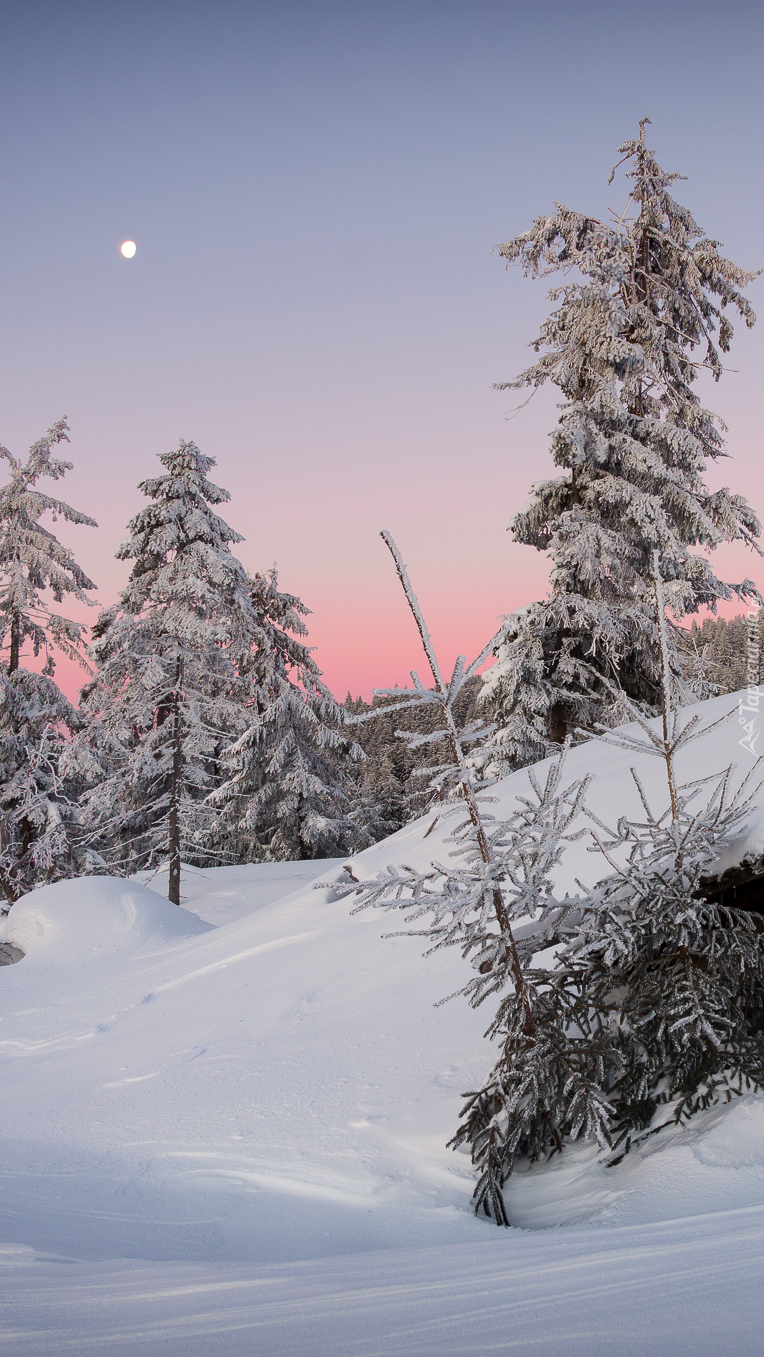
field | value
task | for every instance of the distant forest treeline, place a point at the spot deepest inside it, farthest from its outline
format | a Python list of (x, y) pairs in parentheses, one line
[(396, 777)]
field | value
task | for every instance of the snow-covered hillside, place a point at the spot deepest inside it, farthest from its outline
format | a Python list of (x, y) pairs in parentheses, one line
[(261, 1078)]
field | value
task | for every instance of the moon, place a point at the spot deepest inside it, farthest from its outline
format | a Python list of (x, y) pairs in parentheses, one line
[(128, 248)]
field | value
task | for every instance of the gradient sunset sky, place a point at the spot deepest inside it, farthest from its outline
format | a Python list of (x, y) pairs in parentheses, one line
[(315, 191)]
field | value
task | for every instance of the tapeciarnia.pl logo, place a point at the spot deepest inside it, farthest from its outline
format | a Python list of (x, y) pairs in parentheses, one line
[(753, 695)]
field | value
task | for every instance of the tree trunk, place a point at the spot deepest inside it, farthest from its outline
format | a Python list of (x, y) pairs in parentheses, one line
[(173, 893), (575, 496), (558, 726), (468, 791), (13, 663), (304, 850), (11, 882), (666, 676), (9, 888)]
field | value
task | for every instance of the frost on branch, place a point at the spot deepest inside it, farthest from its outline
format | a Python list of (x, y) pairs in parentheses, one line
[(550, 1078), (43, 769)]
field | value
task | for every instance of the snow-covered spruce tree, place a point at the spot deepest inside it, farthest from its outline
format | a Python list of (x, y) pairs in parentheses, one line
[(681, 976), (657, 988), (644, 309), (44, 767), (548, 1084), (41, 772), (288, 790), (33, 561), (167, 699), (653, 1004), (654, 997), (383, 790)]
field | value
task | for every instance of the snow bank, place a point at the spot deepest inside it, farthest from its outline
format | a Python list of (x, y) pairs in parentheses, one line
[(279, 1087), (688, 1289), (74, 922), (221, 895)]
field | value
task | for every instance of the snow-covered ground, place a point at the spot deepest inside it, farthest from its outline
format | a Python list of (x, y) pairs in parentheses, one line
[(250, 1098)]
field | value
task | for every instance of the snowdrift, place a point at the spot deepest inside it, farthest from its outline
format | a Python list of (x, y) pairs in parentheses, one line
[(278, 1087), (281, 1086), (689, 1288), (75, 922)]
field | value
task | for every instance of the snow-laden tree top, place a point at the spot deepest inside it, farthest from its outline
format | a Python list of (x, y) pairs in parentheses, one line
[(33, 560), (180, 547), (621, 344)]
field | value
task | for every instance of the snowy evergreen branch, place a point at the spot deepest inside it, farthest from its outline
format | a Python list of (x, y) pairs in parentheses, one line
[(42, 768), (32, 560)]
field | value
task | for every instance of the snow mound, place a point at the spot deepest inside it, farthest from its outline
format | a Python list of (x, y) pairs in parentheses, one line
[(79, 921), (714, 1164)]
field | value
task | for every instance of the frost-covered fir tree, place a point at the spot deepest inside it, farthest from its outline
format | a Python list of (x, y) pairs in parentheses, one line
[(651, 1010), (659, 989), (167, 699), (44, 768), (643, 308), (289, 790), (39, 770), (33, 562), (681, 975), (652, 1004), (548, 1085)]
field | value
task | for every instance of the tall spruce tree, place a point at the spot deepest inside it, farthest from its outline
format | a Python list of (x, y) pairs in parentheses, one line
[(41, 771), (643, 310), (167, 698)]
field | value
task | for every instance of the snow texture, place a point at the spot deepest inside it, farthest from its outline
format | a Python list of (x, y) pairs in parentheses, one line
[(253, 1118)]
